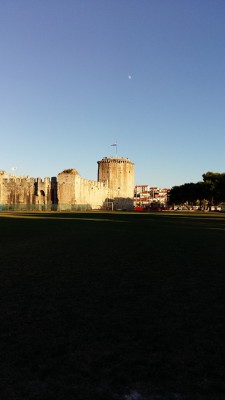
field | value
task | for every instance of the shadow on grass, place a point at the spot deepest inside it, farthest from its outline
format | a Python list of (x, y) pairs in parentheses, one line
[(104, 311)]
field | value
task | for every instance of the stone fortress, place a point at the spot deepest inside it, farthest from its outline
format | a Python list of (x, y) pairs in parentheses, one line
[(114, 189)]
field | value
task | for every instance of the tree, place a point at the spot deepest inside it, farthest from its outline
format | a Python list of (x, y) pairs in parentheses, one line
[(210, 191), (215, 184)]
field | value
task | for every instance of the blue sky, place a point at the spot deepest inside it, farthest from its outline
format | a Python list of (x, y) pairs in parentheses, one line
[(66, 93)]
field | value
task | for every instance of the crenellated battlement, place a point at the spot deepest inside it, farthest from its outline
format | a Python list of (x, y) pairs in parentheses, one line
[(115, 160)]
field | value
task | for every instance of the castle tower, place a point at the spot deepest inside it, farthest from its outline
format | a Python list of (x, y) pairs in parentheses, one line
[(118, 174), (68, 180)]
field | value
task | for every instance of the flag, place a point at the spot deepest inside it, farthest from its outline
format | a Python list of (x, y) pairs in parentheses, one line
[(115, 145)]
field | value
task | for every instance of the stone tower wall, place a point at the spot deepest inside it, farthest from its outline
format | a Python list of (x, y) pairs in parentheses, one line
[(66, 187), (118, 174)]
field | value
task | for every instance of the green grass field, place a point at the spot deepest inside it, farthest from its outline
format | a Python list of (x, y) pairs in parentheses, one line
[(112, 306)]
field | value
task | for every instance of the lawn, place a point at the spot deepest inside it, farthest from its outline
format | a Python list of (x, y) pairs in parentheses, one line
[(112, 306)]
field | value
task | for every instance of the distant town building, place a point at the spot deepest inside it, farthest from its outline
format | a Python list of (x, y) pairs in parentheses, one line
[(152, 197)]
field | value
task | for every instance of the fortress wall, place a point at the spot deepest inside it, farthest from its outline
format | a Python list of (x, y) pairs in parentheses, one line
[(66, 188), (3, 175), (43, 191), (21, 190), (54, 190), (91, 192), (4, 191), (16, 190), (115, 184), (77, 191), (25, 191)]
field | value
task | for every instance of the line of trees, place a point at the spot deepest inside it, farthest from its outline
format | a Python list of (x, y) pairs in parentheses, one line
[(204, 194)]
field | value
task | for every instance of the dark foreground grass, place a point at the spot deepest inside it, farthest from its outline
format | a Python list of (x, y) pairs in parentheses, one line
[(112, 306)]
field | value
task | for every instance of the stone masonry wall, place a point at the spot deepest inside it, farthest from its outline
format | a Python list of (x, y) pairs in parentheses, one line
[(21, 192), (76, 191), (16, 190)]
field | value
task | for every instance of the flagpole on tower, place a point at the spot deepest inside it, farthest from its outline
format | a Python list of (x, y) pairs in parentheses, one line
[(115, 145)]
